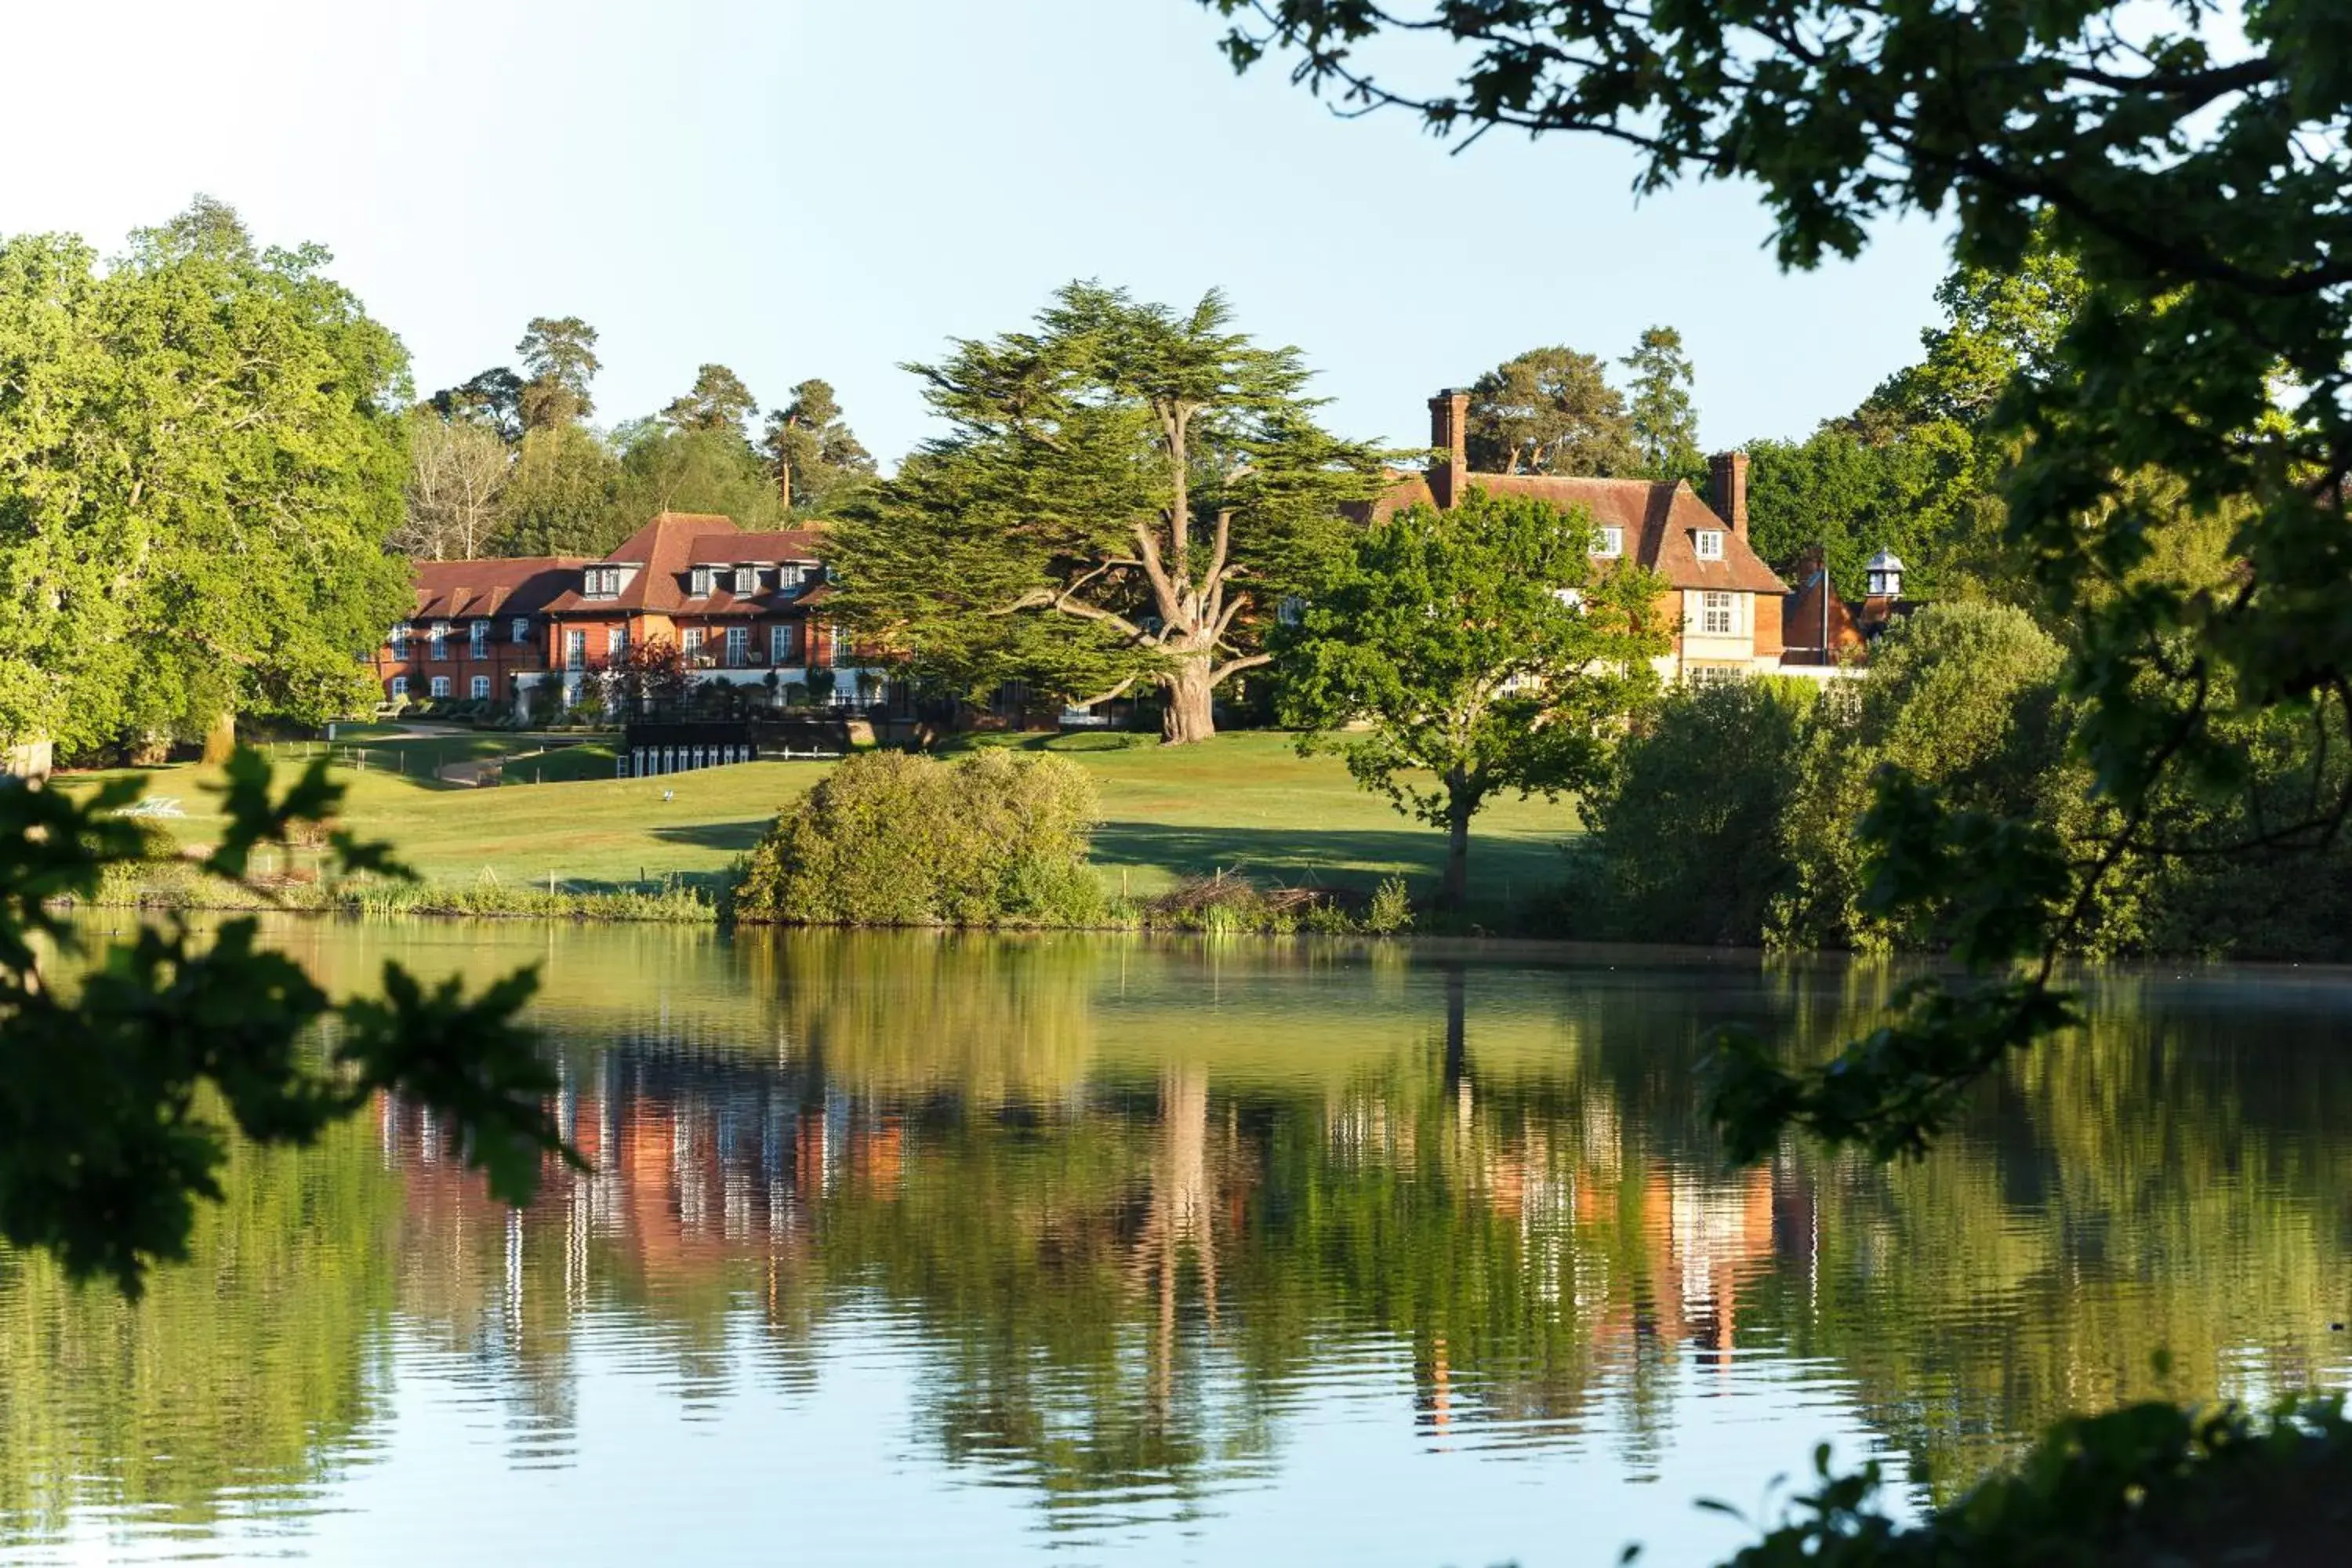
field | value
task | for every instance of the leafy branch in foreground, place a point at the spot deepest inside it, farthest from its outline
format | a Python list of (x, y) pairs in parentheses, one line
[(106, 1141), (2191, 165)]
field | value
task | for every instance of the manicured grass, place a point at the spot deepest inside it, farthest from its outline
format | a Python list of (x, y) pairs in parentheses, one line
[(1243, 803)]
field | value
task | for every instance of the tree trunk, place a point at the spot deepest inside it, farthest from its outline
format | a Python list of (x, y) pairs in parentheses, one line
[(1188, 716), (1454, 890)]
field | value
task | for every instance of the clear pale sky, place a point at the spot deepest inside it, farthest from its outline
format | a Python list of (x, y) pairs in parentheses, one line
[(797, 189)]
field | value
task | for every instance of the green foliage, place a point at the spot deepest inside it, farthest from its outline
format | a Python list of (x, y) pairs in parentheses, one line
[(719, 401), (811, 448), (2190, 165), (104, 1145), (1476, 646), (561, 497), (2144, 1486), (889, 838), (200, 465), (560, 352), (665, 467), (1551, 411), (1663, 418), (1127, 492), (1685, 829)]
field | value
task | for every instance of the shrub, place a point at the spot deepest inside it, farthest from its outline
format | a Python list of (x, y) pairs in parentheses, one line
[(1686, 838), (890, 838)]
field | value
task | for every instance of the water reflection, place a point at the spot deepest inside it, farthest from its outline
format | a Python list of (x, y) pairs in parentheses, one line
[(1146, 1241)]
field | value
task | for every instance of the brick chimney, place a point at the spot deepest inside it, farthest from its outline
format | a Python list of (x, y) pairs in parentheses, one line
[(1449, 432), (1726, 479)]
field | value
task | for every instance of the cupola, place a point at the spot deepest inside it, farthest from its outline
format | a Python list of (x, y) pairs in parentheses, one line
[(1884, 574)]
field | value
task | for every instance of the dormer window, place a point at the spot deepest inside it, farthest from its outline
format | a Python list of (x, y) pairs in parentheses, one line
[(602, 581), (747, 581), (702, 583), (1710, 544), (1608, 543)]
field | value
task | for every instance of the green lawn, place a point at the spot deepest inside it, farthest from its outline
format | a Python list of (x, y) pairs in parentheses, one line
[(1241, 802)]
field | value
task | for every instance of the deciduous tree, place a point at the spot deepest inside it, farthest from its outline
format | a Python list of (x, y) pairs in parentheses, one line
[(559, 497), (1477, 647), (1127, 491), (456, 471)]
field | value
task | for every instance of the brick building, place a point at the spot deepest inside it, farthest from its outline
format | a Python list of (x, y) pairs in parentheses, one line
[(740, 607), (1724, 601)]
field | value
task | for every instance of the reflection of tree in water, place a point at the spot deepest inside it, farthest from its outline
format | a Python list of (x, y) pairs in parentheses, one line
[(1121, 1255)]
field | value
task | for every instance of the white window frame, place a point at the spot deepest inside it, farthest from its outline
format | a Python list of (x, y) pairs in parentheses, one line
[(1608, 542), (616, 644), (699, 583), (739, 646), (477, 640), (689, 643), (780, 642), (1709, 545), (399, 686), (479, 688), (1718, 615), (747, 581), (440, 686), (400, 635), (1705, 675), (575, 647), (518, 630), (437, 640)]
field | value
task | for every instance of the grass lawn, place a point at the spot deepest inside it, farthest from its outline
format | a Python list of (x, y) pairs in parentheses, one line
[(1241, 802)]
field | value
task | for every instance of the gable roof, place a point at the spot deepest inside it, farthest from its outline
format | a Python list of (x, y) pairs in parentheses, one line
[(516, 586), (1661, 521), (667, 549)]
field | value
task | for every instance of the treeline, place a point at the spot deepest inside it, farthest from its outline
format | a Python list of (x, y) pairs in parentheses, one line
[(1728, 815), (508, 463)]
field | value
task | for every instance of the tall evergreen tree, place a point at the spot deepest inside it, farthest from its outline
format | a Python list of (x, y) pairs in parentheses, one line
[(560, 353), (1664, 416), (812, 450), (719, 401), (1551, 411), (1126, 492)]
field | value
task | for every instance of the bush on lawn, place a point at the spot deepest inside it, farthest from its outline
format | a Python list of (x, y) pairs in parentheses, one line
[(890, 838)]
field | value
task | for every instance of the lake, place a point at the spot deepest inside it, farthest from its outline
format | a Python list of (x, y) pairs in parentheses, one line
[(1124, 1251)]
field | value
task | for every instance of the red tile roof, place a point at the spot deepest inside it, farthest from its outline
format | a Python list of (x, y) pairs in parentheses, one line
[(1661, 523), (667, 549), (517, 585)]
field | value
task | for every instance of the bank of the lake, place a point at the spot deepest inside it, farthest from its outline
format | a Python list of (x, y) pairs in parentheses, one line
[(1244, 804)]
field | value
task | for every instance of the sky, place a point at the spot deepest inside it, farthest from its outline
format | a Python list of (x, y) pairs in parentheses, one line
[(801, 189)]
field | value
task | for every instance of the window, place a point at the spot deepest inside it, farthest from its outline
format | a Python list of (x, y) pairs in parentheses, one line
[(779, 643), (399, 687), (1714, 613), (836, 644), (478, 639), (602, 581), (1712, 675), (1710, 544), (616, 644), (1292, 610), (519, 631), (480, 688), (701, 585), (575, 649), (795, 577), (440, 686), (436, 641), (691, 641), (400, 641), (1610, 542), (739, 644), (747, 580)]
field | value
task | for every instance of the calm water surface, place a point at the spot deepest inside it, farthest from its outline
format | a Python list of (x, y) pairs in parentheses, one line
[(1078, 1250)]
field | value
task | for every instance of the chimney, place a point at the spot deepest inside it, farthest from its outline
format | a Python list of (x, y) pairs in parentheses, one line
[(1449, 432), (1726, 479)]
